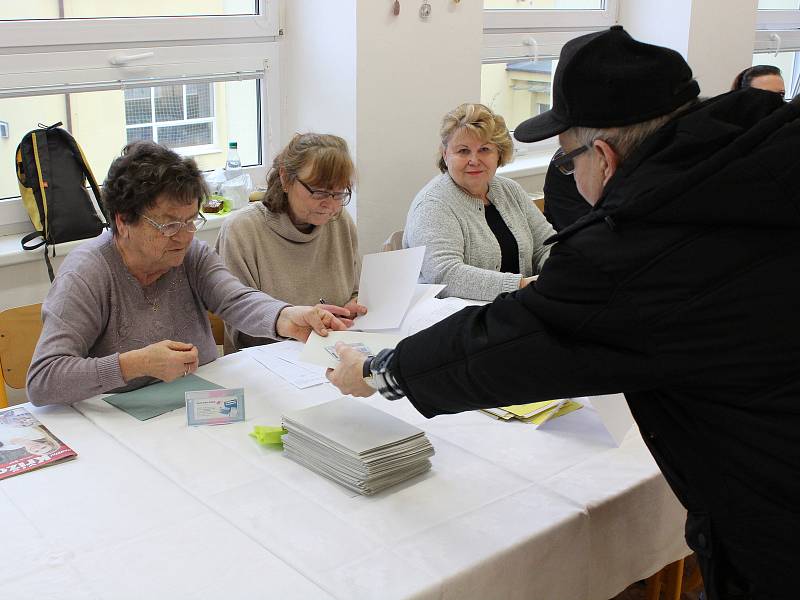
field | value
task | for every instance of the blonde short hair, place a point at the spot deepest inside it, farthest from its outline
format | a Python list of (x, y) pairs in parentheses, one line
[(481, 122)]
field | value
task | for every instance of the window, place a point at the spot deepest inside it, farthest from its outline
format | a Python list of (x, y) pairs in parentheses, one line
[(545, 4), (517, 89), (778, 40), (549, 14), (522, 42), (192, 76), (178, 116)]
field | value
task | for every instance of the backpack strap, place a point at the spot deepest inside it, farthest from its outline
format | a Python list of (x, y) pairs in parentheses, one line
[(41, 155), (32, 236)]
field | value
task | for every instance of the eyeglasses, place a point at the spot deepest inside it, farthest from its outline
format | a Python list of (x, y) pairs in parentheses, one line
[(564, 160), (170, 229), (341, 197)]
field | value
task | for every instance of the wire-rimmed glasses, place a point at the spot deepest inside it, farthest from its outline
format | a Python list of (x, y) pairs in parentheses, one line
[(169, 229)]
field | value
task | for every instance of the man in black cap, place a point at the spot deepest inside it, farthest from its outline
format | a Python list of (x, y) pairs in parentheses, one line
[(679, 288)]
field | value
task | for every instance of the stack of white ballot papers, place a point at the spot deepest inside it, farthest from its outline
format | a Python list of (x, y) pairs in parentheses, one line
[(356, 445)]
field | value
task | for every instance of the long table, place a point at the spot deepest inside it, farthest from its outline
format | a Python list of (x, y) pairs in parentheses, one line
[(157, 509)]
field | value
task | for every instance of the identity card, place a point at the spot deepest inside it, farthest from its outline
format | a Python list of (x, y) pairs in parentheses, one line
[(215, 407)]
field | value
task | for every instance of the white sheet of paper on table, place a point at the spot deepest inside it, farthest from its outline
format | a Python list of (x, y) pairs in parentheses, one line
[(387, 285), (283, 359), (432, 310), (315, 352)]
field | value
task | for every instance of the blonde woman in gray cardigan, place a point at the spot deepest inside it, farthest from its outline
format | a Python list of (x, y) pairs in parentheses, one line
[(483, 234), (299, 242)]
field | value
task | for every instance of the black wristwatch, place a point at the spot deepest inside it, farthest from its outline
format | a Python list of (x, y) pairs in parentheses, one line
[(366, 372), (382, 379)]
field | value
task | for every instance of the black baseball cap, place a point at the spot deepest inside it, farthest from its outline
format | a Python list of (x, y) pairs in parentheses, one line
[(608, 79)]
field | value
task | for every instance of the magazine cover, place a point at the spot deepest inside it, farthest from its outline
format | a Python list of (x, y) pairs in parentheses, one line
[(26, 444)]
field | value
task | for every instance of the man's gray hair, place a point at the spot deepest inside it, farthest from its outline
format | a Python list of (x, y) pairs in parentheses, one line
[(625, 139)]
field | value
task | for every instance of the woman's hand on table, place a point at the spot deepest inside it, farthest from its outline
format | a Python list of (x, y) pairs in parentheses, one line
[(165, 360), (298, 322), (348, 376)]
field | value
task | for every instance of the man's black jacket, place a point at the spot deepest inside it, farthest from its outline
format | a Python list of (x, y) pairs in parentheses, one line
[(682, 290)]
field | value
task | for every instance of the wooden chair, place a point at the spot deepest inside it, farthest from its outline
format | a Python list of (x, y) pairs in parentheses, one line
[(217, 328), (393, 242), (678, 578), (538, 201), (19, 331)]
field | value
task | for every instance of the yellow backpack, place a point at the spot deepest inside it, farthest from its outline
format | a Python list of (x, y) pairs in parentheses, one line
[(52, 173)]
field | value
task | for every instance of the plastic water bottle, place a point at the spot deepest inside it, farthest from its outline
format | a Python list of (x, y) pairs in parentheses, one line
[(233, 164)]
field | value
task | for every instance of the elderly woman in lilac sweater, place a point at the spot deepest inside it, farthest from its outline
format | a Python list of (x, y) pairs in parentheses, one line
[(130, 307)]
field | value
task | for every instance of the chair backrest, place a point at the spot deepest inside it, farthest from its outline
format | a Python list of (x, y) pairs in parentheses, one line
[(19, 331), (217, 328), (393, 242)]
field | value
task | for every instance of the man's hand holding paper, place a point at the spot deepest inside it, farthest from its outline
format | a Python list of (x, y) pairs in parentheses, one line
[(349, 375)]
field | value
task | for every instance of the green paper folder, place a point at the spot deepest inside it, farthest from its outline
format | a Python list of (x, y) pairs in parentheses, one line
[(159, 398)]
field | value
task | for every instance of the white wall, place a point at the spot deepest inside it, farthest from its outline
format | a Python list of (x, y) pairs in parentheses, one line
[(383, 83), (318, 61), (410, 73)]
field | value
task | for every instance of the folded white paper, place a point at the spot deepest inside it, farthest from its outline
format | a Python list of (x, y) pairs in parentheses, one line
[(387, 285), (615, 414)]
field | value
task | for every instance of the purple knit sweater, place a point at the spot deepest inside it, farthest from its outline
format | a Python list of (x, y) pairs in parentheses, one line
[(96, 310)]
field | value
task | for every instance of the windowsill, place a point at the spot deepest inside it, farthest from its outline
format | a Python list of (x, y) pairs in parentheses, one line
[(190, 151), (11, 252), (533, 163)]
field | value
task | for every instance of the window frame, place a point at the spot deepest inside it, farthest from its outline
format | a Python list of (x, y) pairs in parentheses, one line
[(82, 55), (526, 18), (39, 33), (767, 19)]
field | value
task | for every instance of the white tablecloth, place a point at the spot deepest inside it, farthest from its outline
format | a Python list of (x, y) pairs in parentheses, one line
[(506, 512), (156, 509), (109, 525)]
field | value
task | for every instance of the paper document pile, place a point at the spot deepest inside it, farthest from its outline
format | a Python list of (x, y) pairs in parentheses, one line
[(360, 447), (535, 413)]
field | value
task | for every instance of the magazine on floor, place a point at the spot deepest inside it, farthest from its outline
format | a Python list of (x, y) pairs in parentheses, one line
[(26, 444)]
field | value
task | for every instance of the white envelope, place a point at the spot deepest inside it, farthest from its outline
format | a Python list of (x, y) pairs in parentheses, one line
[(315, 349)]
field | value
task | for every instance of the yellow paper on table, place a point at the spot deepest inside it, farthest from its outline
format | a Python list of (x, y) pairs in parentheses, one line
[(526, 411), (560, 409)]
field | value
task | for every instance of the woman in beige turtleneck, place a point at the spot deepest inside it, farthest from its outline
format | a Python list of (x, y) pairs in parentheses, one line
[(298, 244)]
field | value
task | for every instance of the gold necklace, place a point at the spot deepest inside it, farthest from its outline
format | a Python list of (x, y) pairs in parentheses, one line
[(154, 302)]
